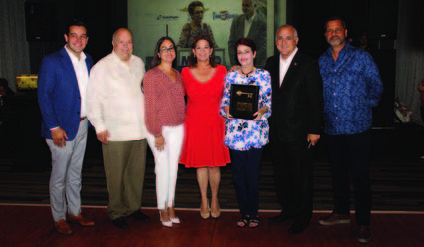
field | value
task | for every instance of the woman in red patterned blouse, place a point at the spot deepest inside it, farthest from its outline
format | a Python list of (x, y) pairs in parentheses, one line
[(165, 115)]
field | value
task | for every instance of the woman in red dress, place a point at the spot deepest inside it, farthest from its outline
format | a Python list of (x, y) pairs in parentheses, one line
[(203, 146)]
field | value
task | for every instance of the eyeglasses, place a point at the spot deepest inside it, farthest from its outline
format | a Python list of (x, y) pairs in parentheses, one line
[(167, 50)]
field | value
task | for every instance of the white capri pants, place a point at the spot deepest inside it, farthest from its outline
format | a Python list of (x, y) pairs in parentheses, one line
[(166, 163)]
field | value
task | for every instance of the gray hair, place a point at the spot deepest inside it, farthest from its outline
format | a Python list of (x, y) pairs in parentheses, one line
[(287, 26)]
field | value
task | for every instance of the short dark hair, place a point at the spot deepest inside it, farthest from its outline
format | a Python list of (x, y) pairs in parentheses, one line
[(335, 18), (156, 59), (75, 22), (193, 5), (247, 42), (192, 61), (4, 82)]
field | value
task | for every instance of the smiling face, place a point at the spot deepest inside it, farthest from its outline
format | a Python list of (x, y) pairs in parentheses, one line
[(202, 50), (122, 44), (167, 51), (286, 41), (76, 40), (245, 55), (335, 34)]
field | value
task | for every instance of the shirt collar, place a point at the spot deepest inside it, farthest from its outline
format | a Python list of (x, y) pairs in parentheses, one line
[(251, 18), (73, 57), (344, 49), (290, 58), (117, 59)]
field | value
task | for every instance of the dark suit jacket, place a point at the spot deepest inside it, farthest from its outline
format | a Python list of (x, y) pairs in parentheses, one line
[(58, 94), (297, 105), (257, 33)]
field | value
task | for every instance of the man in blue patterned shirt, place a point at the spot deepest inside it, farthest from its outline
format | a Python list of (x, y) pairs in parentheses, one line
[(352, 86)]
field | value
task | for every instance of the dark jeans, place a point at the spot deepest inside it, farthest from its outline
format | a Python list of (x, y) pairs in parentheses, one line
[(351, 151), (246, 171)]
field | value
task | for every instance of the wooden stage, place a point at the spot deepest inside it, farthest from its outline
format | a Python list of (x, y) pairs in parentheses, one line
[(32, 225), (397, 180)]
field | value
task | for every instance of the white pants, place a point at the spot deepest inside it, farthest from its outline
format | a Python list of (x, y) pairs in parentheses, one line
[(166, 163)]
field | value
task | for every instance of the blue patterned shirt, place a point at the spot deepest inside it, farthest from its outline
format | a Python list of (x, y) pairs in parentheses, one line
[(241, 134), (352, 86)]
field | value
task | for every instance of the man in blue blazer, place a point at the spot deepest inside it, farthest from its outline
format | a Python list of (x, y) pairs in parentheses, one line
[(62, 84)]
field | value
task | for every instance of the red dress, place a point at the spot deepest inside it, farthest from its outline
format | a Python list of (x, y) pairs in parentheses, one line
[(204, 127)]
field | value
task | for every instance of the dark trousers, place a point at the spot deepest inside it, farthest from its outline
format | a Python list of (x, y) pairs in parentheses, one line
[(246, 171), (351, 151), (422, 113), (292, 162)]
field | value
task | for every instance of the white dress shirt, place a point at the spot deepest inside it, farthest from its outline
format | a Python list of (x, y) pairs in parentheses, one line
[(248, 24), (115, 101), (80, 68), (284, 65)]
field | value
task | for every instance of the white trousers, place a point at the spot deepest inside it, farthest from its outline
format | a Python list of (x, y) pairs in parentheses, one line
[(166, 163), (65, 179)]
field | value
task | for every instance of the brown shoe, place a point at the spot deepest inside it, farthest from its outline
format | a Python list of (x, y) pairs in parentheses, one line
[(364, 235), (334, 219), (62, 227), (80, 219)]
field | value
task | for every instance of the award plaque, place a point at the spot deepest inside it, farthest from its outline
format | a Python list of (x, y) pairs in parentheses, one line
[(244, 101)]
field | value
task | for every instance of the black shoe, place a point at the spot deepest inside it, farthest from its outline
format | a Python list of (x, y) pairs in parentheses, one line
[(138, 215), (279, 218), (296, 229), (364, 235), (120, 223)]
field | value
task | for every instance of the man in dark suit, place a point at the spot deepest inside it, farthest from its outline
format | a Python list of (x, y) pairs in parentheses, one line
[(62, 84), (295, 126), (250, 25)]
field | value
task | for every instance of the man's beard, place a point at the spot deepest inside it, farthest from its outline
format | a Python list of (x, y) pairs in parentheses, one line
[(337, 41)]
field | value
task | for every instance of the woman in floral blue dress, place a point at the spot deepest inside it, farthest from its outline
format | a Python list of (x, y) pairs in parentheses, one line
[(246, 138)]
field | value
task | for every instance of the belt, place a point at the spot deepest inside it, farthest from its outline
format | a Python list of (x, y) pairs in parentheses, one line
[(83, 118)]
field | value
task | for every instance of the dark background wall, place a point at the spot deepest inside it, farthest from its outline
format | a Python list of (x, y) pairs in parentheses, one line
[(377, 18), (102, 17)]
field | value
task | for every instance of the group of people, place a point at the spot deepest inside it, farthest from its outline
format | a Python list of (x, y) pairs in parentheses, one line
[(251, 24), (130, 108)]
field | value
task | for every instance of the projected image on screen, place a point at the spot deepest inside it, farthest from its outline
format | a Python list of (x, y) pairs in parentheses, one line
[(224, 21)]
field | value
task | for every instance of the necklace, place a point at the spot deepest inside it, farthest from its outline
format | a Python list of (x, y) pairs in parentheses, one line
[(247, 74)]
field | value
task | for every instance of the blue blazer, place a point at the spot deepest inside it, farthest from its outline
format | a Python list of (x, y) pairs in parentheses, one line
[(58, 94)]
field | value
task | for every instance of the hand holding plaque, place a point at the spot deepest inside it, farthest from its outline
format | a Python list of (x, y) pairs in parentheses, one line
[(244, 101)]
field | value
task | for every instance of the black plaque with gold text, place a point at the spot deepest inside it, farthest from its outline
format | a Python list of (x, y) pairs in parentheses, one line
[(244, 101)]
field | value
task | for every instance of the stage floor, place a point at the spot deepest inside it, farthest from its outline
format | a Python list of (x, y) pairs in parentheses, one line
[(32, 225)]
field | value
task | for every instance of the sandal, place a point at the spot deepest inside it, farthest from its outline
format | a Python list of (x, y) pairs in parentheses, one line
[(242, 222), (253, 222)]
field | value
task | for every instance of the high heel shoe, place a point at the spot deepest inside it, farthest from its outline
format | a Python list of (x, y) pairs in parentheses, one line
[(167, 223), (205, 215), (216, 213), (174, 219)]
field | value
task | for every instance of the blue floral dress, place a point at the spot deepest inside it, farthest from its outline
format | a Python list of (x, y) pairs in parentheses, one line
[(241, 134)]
